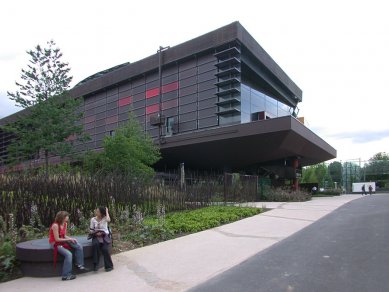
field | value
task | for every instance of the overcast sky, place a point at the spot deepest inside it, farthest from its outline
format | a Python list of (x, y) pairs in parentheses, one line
[(337, 52)]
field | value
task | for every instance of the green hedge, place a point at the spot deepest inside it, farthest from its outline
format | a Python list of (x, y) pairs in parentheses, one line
[(204, 218), (327, 193)]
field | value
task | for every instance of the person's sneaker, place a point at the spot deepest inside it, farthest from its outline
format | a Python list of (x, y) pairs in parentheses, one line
[(82, 269), (69, 277), (95, 268), (108, 269)]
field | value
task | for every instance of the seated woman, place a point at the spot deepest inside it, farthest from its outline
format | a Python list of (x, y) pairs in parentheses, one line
[(61, 243), (100, 238)]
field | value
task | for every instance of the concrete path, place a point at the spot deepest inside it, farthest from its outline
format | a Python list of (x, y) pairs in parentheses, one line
[(182, 263), (347, 251)]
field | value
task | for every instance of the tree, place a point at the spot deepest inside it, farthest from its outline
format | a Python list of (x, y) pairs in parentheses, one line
[(50, 117), (317, 173), (377, 169), (128, 152), (308, 175), (335, 171)]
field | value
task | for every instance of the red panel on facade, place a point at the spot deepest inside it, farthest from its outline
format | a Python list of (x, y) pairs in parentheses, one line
[(152, 108), (111, 120), (166, 88), (169, 104), (170, 87), (152, 92), (125, 100)]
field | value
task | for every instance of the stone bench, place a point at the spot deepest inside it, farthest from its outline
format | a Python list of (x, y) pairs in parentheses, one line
[(36, 257)]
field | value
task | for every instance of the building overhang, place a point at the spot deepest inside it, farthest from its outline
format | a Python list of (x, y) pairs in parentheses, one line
[(244, 145)]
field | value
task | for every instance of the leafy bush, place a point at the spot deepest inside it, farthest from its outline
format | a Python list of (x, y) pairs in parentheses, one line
[(129, 152), (202, 219), (3, 228), (141, 234), (7, 261), (27, 232), (327, 193), (149, 234), (164, 227), (285, 195)]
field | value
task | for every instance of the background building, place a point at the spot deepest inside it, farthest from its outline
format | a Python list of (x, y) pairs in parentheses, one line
[(218, 101)]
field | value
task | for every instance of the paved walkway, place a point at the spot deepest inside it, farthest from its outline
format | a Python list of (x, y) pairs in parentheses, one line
[(182, 263), (346, 251)]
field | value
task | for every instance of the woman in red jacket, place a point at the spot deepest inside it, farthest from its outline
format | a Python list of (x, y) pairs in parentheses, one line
[(61, 243)]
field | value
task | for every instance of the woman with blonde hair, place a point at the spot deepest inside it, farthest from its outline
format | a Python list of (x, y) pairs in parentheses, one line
[(62, 244)]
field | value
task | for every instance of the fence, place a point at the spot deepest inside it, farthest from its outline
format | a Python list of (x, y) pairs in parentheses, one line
[(235, 185), (27, 196)]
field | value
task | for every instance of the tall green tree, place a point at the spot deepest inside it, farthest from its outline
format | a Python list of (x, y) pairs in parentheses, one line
[(308, 175), (128, 152), (51, 116), (377, 169), (335, 171), (317, 173)]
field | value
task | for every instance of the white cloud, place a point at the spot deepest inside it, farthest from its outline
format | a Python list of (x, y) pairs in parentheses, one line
[(7, 106)]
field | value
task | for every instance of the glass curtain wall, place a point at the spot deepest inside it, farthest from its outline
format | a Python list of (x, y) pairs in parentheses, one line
[(254, 103)]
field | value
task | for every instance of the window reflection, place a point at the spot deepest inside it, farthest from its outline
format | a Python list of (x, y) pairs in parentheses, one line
[(256, 105)]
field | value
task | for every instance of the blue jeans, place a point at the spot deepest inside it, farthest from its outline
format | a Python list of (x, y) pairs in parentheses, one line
[(68, 257)]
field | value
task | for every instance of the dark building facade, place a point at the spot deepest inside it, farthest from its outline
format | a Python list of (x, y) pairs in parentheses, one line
[(218, 101)]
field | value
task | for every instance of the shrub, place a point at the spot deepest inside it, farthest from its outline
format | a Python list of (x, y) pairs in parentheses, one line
[(7, 261), (149, 234), (285, 195), (156, 229), (27, 232), (204, 218), (328, 193), (3, 228)]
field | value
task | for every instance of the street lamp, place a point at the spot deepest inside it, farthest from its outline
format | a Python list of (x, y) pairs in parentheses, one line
[(160, 50)]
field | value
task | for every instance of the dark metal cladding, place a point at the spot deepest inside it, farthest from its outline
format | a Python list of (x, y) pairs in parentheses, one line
[(223, 35), (218, 101)]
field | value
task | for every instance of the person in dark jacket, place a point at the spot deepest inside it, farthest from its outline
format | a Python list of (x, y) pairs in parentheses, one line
[(101, 240), (364, 190)]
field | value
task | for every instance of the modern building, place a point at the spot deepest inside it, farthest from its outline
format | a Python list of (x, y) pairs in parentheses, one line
[(218, 101)]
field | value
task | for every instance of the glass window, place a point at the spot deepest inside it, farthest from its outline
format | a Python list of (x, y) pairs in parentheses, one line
[(254, 102), (283, 110), (271, 106), (245, 105), (169, 125), (257, 101), (229, 119), (245, 117)]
